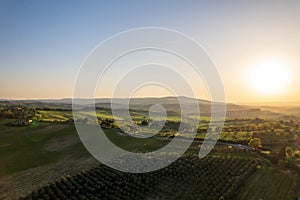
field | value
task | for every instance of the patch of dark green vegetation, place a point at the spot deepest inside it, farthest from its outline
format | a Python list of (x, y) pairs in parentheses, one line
[(188, 178)]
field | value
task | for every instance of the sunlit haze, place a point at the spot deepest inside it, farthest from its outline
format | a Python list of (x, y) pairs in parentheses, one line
[(270, 77)]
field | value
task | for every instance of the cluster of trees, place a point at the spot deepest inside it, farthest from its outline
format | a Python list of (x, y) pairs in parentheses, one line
[(284, 156), (22, 114), (107, 123), (243, 130), (17, 112), (208, 178), (53, 109), (255, 143)]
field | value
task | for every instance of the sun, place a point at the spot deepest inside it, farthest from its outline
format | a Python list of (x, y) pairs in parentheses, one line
[(270, 77)]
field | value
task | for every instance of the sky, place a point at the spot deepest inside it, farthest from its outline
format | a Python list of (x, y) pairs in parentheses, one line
[(43, 43)]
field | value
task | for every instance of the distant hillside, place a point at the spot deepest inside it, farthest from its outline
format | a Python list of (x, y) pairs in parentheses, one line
[(171, 104)]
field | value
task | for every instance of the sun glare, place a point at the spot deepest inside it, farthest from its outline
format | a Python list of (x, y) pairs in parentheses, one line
[(270, 77)]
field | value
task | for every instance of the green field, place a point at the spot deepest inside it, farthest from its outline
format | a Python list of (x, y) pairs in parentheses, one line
[(269, 184), (25, 147)]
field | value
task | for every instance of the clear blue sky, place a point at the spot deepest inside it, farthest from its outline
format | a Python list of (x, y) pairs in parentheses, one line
[(42, 43)]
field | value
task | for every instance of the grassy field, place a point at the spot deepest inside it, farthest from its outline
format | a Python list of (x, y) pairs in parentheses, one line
[(270, 183), (23, 148)]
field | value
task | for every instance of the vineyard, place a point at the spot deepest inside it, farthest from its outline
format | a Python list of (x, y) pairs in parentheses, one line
[(187, 178)]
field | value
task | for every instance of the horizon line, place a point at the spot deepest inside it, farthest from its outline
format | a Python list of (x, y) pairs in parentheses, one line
[(145, 97)]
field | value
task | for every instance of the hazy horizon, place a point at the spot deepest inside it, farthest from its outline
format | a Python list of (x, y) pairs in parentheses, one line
[(261, 103)]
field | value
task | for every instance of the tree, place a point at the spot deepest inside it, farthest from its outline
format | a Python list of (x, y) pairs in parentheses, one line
[(297, 154), (144, 122), (289, 152), (255, 143)]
